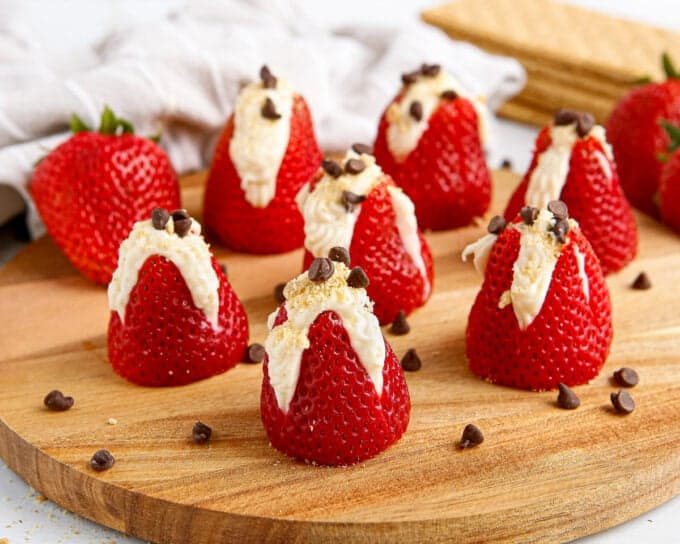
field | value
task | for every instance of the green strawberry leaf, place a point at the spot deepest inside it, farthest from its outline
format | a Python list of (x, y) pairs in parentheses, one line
[(673, 134), (77, 125), (668, 67)]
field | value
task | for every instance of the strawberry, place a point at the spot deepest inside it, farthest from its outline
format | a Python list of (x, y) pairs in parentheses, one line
[(429, 142), (357, 206), (92, 188), (333, 392), (174, 317), (637, 138), (669, 188), (266, 152), (572, 162), (543, 314)]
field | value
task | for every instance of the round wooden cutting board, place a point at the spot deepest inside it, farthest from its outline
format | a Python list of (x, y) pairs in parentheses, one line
[(542, 475)]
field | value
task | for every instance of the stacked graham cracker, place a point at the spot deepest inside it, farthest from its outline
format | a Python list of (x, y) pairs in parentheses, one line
[(574, 57)]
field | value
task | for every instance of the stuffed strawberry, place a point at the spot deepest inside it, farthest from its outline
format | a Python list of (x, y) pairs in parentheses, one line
[(91, 189), (356, 206), (669, 189), (573, 162), (265, 154), (430, 141), (543, 314), (333, 391), (174, 317), (637, 137)]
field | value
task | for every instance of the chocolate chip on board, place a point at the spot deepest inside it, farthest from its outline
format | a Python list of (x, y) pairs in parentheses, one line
[(102, 460), (400, 325), (159, 218), (642, 282), (357, 278), (623, 402), (566, 398), (255, 353), (506, 164), (339, 255), (626, 377), (200, 433), (411, 361), (472, 437), (321, 269), (57, 402)]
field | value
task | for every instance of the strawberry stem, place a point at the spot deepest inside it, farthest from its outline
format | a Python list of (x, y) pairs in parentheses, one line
[(110, 124), (668, 67), (77, 125), (673, 134)]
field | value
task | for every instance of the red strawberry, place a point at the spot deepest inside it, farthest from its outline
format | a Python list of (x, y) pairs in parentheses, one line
[(589, 185), (399, 280), (637, 139), (91, 189), (445, 174), (276, 226), (564, 339), (669, 189), (335, 415), (165, 339)]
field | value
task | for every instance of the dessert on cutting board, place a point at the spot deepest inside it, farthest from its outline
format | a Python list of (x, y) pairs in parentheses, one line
[(573, 162), (174, 317), (430, 141), (266, 152), (543, 314), (355, 205), (333, 392)]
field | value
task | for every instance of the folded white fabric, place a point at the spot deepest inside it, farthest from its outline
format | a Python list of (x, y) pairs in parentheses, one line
[(179, 75)]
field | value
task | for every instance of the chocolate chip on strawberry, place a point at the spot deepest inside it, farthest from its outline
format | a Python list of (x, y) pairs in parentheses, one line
[(415, 110), (350, 199), (182, 221), (268, 110), (430, 70), (566, 398), (355, 166), (400, 325), (565, 117), (449, 94), (255, 353), (411, 362), (560, 230), (278, 293), (410, 77), (529, 214), (626, 377), (332, 168), (623, 402), (339, 255), (362, 149), (200, 433), (472, 437), (57, 402), (642, 282), (584, 123), (102, 460), (159, 218), (558, 209), (268, 80), (321, 269), (497, 224), (357, 278)]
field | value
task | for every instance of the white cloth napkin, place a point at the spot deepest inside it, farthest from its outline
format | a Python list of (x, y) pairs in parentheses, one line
[(179, 74)]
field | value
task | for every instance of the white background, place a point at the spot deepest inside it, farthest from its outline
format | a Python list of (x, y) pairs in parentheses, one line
[(27, 517)]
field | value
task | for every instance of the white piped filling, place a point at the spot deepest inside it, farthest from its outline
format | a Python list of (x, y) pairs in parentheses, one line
[(191, 255), (480, 250), (305, 301), (581, 262), (258, 144), (404, 132)]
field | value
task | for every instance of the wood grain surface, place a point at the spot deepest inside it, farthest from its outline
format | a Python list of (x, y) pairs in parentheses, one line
[(542, 474)]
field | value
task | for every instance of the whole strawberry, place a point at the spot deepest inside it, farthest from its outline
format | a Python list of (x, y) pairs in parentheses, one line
[(333, 392), (356, 206), (637, 138), (92, 188), (573, 162), (669, 189), (429, 141), (543, 314), (174, 317), (266, 152)]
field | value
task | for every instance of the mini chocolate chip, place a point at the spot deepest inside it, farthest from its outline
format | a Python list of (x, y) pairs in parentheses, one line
[(528, 214), (159, 218), (255, 353), (415, 110), (339, 255), (200, 433), (564, 117), (355, 166), (430, 70), (269, 110), (400, 325), (278, 293), (350, 199), (497, 224), (321, 269), (223, 267), (102, 460), (626, 377), (411, 361), (623, 402), (560, 230), (472, 437), (506, 164), (567, 399), (642, 282), (584, 123), (449, 94), (410, 77), (357, 278), (362, 149), (558, 209), (268, 80), (57, 402), (182, 222), (332, 168)]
